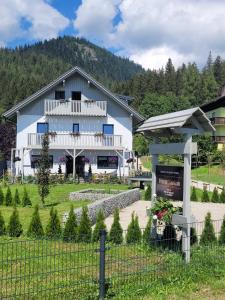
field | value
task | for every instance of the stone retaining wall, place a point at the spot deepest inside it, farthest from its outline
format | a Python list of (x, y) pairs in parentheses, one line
[(109, 204), (91, 195)]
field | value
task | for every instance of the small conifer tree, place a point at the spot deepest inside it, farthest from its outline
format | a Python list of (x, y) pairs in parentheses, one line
[(215, 196), (35, 229), (84, 228), (147, 232), (16, 199), (194, 194), (222, 233), (169, 240), (14, 228), (8, 197), (60, 169), (100, 225), (2, 198), (194, 238), (71, 228), (53, 228), (205, 196), (148, 192), (208, 234), (222, 196), (133, 231), (2, 225), (116, 231), (26, 199), (90, 173)]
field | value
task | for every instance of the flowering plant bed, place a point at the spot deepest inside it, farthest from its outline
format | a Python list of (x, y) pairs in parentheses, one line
[(163, 210)]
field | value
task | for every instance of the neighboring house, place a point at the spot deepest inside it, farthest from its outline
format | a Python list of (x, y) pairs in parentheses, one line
[(87, 124), (215, 111)]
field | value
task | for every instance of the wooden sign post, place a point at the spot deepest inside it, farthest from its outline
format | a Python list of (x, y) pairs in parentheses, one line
[(185, 123)]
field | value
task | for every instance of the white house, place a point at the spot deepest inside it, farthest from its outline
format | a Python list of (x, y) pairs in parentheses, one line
[(87, 124)]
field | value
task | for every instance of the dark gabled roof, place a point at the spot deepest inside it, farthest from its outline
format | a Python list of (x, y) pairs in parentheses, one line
[(216, 103), (64, 76)]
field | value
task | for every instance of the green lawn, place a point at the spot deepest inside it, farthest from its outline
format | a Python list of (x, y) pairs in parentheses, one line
[(214, 174), (58, 197)]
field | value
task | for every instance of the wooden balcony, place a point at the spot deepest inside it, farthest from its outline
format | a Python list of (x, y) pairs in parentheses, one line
[(73, 141), (75, 108), (218, 121)]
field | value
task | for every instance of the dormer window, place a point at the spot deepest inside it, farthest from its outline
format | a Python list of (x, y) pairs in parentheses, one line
[(60, 95), (76, 95)]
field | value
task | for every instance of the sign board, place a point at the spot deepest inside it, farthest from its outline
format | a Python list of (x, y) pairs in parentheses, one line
[(169, 182), (181, 220)]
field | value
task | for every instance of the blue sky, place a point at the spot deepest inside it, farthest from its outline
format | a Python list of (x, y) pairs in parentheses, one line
[(146, 31)]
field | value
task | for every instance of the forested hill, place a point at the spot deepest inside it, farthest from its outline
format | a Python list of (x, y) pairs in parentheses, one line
[(167, 90), (26, 69)]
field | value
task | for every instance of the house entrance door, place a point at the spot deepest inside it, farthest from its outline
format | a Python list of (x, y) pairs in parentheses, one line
[(80, 163)]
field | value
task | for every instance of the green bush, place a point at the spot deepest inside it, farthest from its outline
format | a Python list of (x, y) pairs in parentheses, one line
[(147, 232), (194, 194), (169, 240), (16, 199), (35, 228), (2, 198), (208, 234), (194, 238), (222, 196), (26, 199), (8, 197), (133, 231), (116, 231), (14, 228), (222, 233), (148, 192), (2, 225), (71, 227), (100, 225), (53, 228), (84, 228), (215, 196), (205, 196)]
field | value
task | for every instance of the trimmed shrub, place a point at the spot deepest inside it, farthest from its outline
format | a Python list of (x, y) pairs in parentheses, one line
[(215, 196), (100, 225), (133, 231), (205, 196), (84, 228), (14, 228), (53, 228), (16, 199), (147, 232), (26, 199), (194, 194), (222, 196), (148, 192), (8, 197), (222, 233), (71, 227), (208, 234), (169, 240), (35, 228), (2, 198), (2, 225), (116, 231), (193, 238)]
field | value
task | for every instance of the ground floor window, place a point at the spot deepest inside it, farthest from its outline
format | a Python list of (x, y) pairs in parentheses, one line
[(36, 158), (107, 162)]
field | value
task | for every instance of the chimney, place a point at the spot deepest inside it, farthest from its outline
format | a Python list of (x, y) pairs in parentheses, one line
[(222, 91)]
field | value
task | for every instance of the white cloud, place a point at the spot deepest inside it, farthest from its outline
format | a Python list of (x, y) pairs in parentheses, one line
[(150, 31), (45, 21)]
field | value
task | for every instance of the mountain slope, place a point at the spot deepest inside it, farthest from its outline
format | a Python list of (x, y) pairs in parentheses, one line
[(26, 69)]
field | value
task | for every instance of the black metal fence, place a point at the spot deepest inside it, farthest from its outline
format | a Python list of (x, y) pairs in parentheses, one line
[(44, 269)]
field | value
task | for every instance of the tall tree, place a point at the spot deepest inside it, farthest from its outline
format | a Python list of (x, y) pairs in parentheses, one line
[(170, 77), (44, 169)]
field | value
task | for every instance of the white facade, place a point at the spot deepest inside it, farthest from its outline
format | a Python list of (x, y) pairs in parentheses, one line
[(90, 143)]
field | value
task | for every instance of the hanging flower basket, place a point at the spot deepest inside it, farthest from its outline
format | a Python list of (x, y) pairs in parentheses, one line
[(99, 134), (62, 159), (75, 134), (85, 160), (52, 134), (89, 101)]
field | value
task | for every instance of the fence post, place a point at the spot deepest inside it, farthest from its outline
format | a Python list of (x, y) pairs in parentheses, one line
[(102, 265)]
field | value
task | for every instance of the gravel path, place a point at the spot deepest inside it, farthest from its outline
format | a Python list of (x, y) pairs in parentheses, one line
[(198, 209)]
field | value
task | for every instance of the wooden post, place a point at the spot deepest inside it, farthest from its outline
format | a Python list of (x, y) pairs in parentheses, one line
[(74, 164), (186, 231)]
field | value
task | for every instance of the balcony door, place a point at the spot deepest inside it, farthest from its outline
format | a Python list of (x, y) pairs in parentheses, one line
[(42, 127), (108, 131)]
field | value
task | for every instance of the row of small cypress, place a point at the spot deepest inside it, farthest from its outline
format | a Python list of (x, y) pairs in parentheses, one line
[(216, 197), (9, 200)]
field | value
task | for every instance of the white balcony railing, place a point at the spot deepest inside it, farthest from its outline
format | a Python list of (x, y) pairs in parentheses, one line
[(75, 141), (75, 108)]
